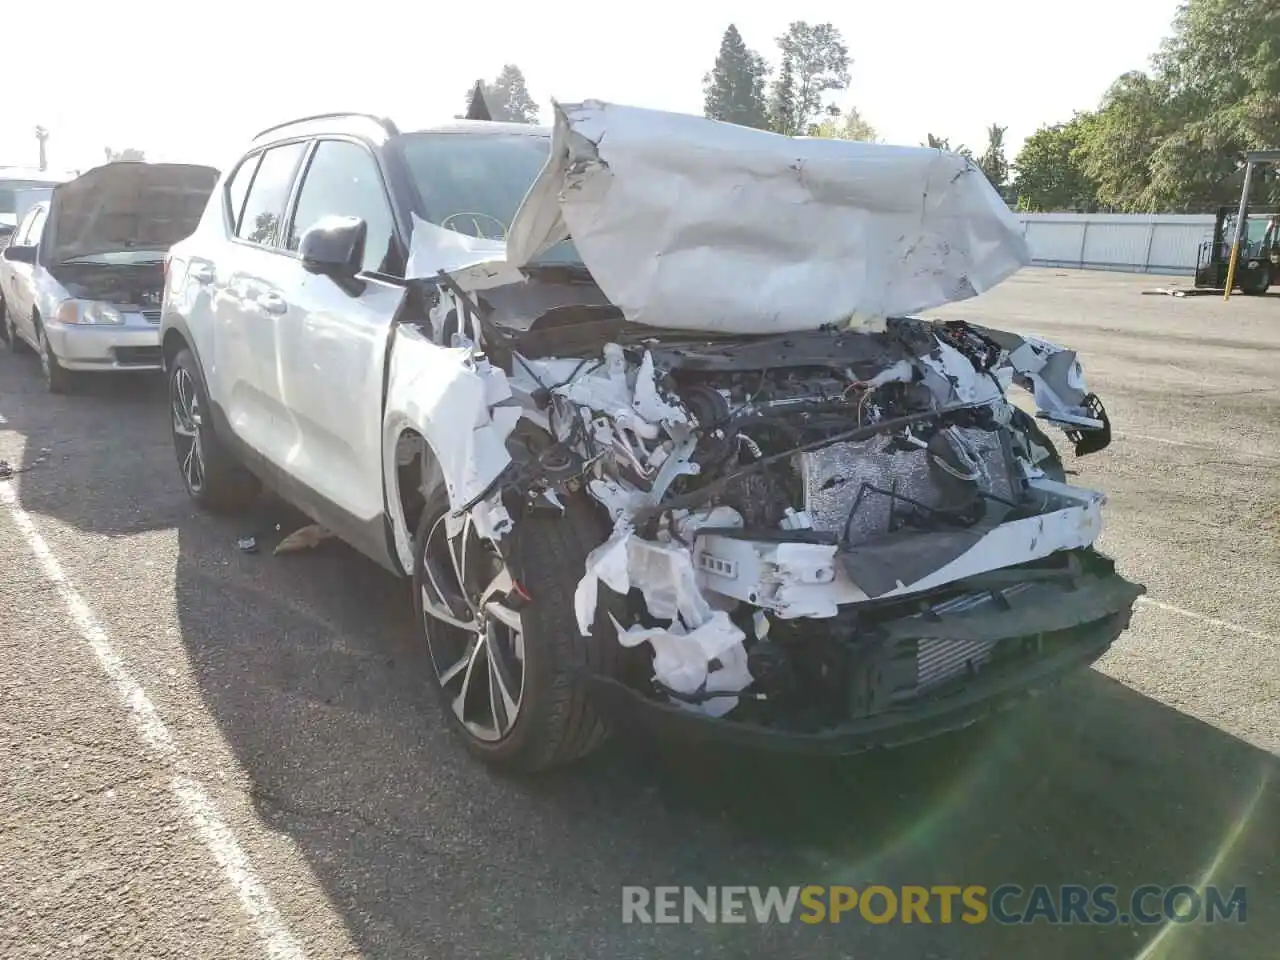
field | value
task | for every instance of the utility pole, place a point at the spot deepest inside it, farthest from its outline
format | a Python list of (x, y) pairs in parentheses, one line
[(42, 137)]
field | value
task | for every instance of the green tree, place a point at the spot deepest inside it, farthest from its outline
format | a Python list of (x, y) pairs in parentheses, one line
[(819, 62), (1117, 142), (477, 107), (1048, 173), (734, 89), (846, 126), (1169, 139), (992, 161), (507, 97), (782, 100)]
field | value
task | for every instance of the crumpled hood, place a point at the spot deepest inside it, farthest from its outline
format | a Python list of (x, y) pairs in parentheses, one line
[(127, 206), (694, 224)]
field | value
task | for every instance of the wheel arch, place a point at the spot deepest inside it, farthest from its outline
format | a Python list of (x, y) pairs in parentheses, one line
[(413, 473), (173, 342)]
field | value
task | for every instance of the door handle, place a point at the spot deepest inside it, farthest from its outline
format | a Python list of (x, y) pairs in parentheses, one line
[(202, 273), (273, 303)]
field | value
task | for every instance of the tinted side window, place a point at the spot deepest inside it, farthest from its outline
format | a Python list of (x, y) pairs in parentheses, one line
[(238, 188), (342, 180), (260, 221)]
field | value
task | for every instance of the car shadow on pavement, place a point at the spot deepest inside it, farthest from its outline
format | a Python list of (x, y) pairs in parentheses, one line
[(311, 666), (97, 478)]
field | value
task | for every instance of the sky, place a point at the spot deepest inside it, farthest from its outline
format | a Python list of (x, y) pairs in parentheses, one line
[(191, 82)]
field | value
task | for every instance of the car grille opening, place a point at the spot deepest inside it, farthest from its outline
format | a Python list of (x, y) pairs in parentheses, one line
[(151, 316), (130, 356)]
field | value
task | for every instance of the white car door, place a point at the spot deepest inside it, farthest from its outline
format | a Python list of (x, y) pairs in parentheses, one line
[(245, 280), (19, 295), (332, 342)]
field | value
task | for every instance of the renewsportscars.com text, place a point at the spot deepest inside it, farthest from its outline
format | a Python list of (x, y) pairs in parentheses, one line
[(943, 904)]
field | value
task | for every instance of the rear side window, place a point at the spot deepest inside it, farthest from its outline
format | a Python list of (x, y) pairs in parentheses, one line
[(36, 230), (342, 180), (238, 188), (264, 206)]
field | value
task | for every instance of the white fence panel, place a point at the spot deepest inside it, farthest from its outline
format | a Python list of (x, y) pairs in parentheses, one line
[(1142, 243)]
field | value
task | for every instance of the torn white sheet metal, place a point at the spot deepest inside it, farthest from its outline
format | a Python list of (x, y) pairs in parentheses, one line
[(462, 406), (807, 581), (1054, 376), (694, 224), (662, 572), (700, 650), (710, 658), (476, 263), (967, 387)]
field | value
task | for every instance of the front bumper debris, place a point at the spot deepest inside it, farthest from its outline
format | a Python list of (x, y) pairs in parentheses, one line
[(931, 672)]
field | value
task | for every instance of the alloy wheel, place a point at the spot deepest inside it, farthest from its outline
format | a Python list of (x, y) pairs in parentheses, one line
[(186, 429), (476, 643)]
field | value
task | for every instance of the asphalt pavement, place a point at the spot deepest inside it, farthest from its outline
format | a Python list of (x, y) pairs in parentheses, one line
[(211, 753)]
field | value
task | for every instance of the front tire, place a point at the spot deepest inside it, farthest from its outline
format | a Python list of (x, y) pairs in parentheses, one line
[(213, 477), (507, 657), (1258, 281), (56, 377)]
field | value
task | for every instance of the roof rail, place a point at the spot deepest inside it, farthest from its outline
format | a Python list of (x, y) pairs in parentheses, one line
[(385, 123)]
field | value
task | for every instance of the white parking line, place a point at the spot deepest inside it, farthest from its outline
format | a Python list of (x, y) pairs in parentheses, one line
[(278, 941), (1212, 621)]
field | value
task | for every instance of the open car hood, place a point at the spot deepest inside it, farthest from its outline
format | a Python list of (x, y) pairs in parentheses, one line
[(127, 206), (689, 223)]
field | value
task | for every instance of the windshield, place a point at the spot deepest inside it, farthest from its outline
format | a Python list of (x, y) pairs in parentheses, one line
[(1256, 229), (474, 183)]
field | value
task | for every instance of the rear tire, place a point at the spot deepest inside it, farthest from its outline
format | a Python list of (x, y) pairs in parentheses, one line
[(555, 722), (211, 474), (57, 377)]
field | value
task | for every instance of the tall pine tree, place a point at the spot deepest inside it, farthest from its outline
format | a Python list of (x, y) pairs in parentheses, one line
[(782, 102), (734, 89), (506, 98)]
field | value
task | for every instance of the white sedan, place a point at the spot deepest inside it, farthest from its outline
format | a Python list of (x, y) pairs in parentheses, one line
[(83, 275)]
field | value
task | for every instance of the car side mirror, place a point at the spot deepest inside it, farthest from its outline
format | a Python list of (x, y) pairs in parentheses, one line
[(23, 254), (334, 247)]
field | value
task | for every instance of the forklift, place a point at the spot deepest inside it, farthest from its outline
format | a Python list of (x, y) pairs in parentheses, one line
[(1244, 253)]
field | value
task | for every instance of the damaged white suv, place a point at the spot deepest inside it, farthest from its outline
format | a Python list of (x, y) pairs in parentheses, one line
[(639, 405)]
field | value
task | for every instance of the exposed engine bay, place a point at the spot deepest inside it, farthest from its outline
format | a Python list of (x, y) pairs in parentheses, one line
[(777, 500), (139, 285)]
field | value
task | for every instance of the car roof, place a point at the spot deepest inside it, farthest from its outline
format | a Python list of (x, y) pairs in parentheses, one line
[(380, 129), (486, 126)]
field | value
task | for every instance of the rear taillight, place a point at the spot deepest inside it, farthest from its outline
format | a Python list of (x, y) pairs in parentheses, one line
[(166, 269)]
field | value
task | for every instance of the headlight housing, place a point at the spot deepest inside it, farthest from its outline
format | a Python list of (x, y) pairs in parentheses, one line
[(89, 313)]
